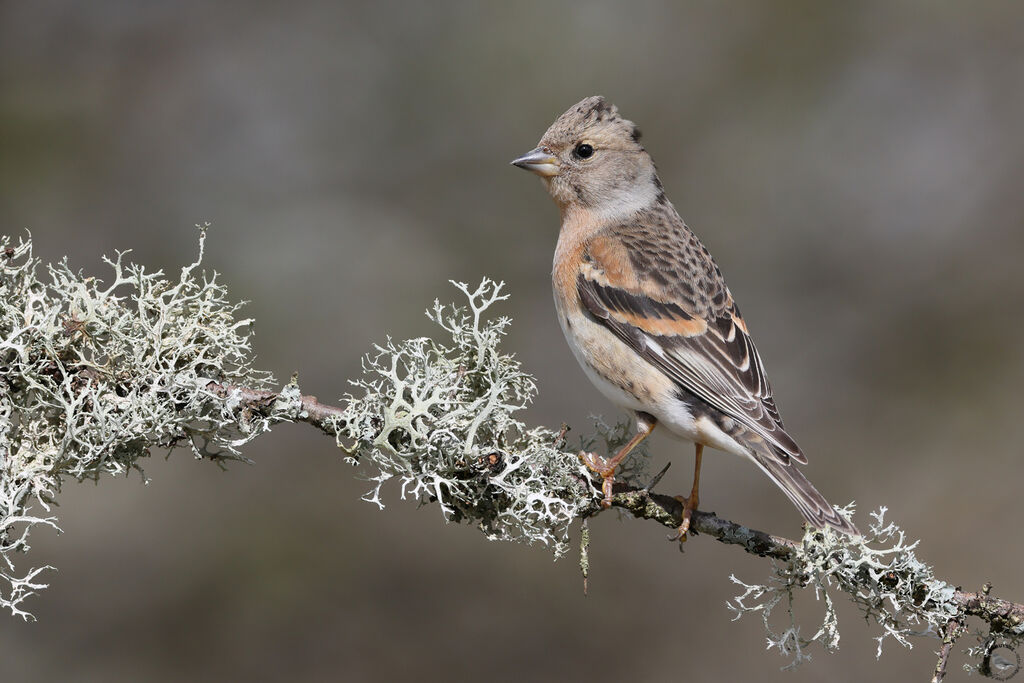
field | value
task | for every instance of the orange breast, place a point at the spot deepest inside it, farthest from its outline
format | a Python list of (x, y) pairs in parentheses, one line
[(578, 226)]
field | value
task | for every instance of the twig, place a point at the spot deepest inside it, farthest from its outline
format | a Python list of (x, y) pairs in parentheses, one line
[(954, 628), (669, 512), (322, 416)]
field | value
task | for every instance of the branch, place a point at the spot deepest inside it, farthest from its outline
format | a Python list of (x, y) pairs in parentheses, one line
[(668, 511), (1004, 618), (324, 417), (953, 630), (1001, 615)]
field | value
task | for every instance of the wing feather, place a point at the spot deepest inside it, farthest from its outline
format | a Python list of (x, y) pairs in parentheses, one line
[(711, 357)]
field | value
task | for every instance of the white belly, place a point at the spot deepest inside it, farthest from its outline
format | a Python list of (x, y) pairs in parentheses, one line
[(630, 382)]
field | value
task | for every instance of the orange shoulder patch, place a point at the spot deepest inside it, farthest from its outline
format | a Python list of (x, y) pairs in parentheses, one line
[(611, 265), (630, 298), (663, 327)]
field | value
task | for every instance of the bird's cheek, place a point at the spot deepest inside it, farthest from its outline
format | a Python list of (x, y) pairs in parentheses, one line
[(560, 189)]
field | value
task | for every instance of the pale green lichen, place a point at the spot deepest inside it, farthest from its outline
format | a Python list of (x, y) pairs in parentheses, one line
[(879, 572), (441, 419), (94, 374)]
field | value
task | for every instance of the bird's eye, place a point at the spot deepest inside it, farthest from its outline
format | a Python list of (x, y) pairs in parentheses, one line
[(584, 150)]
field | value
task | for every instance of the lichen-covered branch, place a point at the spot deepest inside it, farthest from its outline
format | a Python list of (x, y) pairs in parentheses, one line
[(95, 375), (879, 572), (299, 408), (1004, 616), (888, 583), (668, 511)]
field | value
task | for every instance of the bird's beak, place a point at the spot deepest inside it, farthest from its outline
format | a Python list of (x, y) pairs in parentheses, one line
[(540, 161)]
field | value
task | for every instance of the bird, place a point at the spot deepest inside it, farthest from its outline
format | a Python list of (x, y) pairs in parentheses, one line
[(648, 315)]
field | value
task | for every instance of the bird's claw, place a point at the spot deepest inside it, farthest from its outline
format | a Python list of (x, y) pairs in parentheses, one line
[(689, 505)]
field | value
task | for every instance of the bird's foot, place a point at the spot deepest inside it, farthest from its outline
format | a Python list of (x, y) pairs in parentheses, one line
[(600, 465), (689, 505)]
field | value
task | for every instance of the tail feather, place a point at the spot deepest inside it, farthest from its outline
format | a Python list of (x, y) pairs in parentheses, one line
[(812, 505)]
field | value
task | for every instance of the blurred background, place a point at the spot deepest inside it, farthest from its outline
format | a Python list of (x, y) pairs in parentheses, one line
[(854, 167)]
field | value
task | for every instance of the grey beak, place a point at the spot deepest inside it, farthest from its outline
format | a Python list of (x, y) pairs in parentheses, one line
[(539, 161)]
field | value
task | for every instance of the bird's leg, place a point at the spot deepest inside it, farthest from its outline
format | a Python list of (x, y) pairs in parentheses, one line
[(606, 466), (690, 504)]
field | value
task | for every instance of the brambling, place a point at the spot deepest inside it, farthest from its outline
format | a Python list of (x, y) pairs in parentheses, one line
[(647, 313)]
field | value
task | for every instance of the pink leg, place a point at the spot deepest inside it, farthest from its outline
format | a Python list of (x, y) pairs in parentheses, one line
[(645, 424), (690, 504)]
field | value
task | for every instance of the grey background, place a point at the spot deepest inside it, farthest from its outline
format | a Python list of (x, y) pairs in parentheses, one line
[(855, 168)]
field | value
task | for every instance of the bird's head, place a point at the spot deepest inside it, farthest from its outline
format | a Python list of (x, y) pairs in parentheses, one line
[(592, 158)]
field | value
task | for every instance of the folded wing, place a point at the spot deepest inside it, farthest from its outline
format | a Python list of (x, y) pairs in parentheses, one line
[(704, 348)]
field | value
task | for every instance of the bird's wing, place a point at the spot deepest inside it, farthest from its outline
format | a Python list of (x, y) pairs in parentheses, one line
[(667, 300)]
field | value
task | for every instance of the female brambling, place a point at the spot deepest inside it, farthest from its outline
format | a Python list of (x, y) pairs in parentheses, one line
[(647, 313)]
